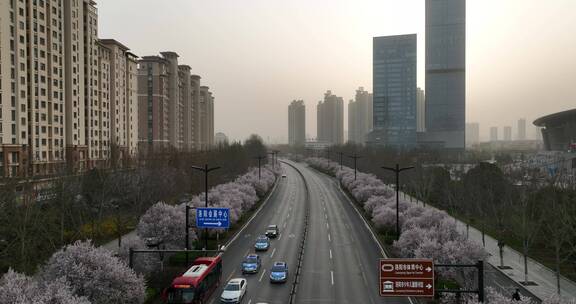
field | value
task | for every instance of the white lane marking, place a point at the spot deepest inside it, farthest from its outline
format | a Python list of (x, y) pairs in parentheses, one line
[(249, 301), (327, 226), (329, 240), (272, 255), (288, 215), (325, 216), (261, 276), (285, 223), (330, 253), (332, 276), (280, 236)]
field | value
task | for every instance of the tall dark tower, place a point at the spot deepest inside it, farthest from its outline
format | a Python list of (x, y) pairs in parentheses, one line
[(446, 72)]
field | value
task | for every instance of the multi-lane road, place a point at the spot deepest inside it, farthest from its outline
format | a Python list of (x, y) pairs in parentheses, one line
[(340, 260), (340, 263)]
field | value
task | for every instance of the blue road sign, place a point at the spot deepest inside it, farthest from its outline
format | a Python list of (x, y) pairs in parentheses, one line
[(213, 217)]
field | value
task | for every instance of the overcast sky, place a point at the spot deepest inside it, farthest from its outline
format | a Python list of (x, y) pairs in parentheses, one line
[(258, 55)]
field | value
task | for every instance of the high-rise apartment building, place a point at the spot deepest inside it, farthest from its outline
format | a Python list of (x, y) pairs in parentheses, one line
[(507, 133), (206, 118), (394, 82), (522, 129), (173, 110), (493, 133), (123, 83), (420, 110), (360, 116), (445, 72), (472, 134), (330, 119), (297, 123)]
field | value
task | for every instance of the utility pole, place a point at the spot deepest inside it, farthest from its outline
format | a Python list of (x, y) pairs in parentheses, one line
[(328, 153), (259, 158), (397, 171), (206, 170), (355, 157), (341, 154)]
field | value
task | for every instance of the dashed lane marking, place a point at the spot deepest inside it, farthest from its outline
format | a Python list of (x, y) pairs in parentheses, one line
[(262, 275)]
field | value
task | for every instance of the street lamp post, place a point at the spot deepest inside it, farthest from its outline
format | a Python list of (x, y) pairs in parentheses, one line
[(341, 154), (355, 157), (273, 154), (259, 158), (206, 170), (397, 171)]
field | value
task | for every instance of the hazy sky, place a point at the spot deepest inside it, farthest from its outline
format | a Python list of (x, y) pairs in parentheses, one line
[(258, 55)]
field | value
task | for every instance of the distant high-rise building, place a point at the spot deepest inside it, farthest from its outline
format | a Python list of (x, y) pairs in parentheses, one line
[(472, 134), (206, 118), (394, 83), (330, 119), (420, 110), (297, 123), (359, 116), (522, 129), (445, 72), (507, 133), (493, 133), (220, 139)]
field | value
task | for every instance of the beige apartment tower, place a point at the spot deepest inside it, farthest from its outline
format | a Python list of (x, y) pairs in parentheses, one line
[(360, 116), (297, 123), (33, 55), (330, 119)]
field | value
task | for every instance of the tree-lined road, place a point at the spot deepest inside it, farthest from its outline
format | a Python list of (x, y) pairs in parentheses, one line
[(340, 259)]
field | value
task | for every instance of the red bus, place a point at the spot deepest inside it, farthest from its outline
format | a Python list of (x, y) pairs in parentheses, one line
[(197, 283)]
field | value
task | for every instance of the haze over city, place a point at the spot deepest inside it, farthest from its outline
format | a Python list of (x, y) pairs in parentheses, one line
[(257, 56)]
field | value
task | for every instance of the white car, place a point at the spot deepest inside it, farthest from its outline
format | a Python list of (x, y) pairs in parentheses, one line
[(283, 175), (234, 291)]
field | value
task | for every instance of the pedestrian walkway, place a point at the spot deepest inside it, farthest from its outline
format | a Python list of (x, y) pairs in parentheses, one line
[(113, 245), (543, 276)]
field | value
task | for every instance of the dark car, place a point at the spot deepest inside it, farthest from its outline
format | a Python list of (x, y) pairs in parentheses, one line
[(251, 264), (272, 231), (279, 272)]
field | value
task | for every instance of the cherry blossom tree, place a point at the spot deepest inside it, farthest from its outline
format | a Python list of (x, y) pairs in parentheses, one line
[(17, 288), (165, 223), (94, 273)]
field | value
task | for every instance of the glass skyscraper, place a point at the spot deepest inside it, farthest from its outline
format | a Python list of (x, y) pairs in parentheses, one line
[(445, 72), (394, 83)]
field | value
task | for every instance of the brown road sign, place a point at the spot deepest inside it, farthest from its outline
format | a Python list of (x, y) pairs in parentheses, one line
[(406, 277)]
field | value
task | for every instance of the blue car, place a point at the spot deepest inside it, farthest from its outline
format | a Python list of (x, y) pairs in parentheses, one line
[(279, 272), (251, 264), (262, 243)]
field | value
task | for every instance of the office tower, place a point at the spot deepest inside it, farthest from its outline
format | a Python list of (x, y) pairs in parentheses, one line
[(522, 129), (394, 82), (330, 119), (445, 72), (493, 133), (420, 110), (359, 116), (123, 82), (507, 133), (296, 123), (472, 134)]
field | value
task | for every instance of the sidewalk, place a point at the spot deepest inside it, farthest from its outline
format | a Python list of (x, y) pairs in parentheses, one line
[(543, 276), (113, 245)]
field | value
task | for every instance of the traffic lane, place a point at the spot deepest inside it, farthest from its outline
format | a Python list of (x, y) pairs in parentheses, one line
[(348, 269), (316, 281), (364, 250), (285, 249), (244, 244)]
